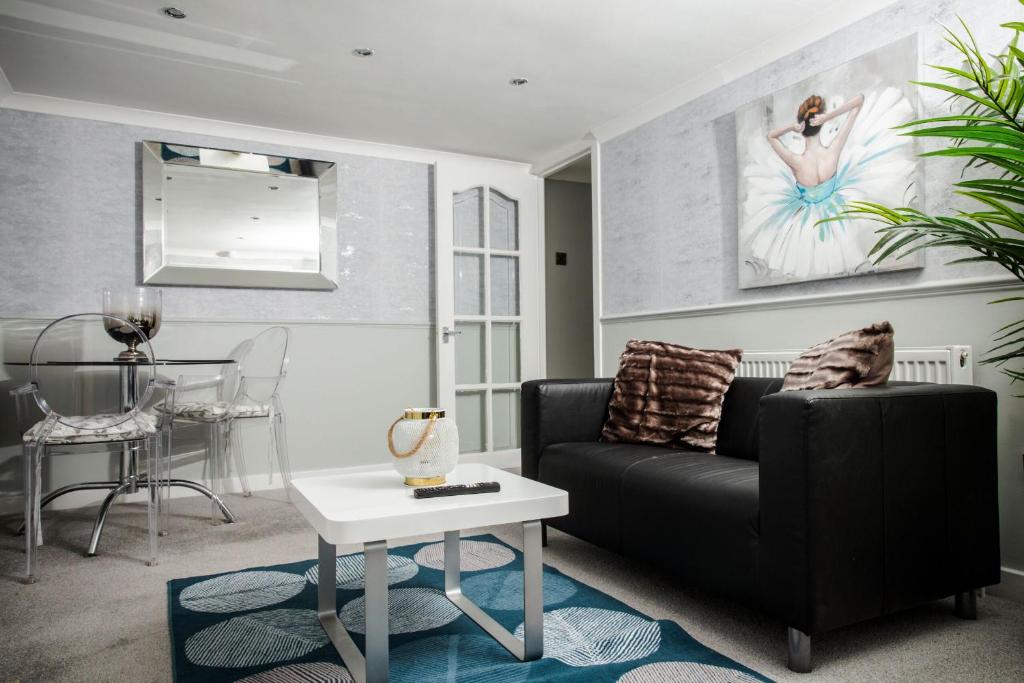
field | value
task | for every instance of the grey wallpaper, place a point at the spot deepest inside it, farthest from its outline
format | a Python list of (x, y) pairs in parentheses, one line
[(70, 226), (669, 187)]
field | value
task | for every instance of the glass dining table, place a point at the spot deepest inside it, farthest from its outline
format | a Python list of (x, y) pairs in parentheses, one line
[(130, 479)]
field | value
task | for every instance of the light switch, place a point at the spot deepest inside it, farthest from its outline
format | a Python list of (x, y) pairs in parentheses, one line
[(560, 258)]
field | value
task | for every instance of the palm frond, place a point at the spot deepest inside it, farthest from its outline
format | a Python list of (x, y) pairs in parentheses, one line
[(984, 131)]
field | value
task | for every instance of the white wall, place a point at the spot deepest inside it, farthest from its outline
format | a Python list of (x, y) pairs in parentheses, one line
[(568, 289)]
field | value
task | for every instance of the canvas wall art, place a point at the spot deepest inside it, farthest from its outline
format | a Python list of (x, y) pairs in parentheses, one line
[(805, 151)]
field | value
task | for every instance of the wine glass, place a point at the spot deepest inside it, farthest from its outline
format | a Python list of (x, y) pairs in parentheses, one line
[(139, 305)]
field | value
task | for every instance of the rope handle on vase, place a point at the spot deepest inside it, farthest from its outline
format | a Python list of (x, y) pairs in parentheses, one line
[(419, 444)]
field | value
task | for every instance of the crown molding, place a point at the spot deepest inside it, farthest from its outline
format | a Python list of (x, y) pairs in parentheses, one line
[(94, 111), (927, 289), (757, 56), (561, 157)]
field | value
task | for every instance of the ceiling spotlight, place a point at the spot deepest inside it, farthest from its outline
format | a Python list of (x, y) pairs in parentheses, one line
[(362, 52), (516, 82), (174, 13)]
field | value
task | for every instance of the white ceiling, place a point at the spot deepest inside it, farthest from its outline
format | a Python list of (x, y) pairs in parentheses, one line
[(439, 79)]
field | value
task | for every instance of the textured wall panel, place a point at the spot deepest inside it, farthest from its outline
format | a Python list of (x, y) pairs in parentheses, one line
[(70, 225), (669, 187)]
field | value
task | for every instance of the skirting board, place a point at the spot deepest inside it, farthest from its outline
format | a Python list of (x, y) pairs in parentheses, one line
[(1011, 585), (14, 504)]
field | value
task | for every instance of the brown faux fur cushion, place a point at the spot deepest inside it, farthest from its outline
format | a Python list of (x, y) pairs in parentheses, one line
[(859, 358), (669, 395)]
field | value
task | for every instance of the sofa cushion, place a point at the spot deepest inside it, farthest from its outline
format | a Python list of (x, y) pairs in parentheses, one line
[(858, 358), (669, 395), (696, 514), (592, 474), (737, 430)]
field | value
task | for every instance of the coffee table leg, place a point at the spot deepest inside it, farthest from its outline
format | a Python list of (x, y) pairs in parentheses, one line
[(532, 645), (376, 600), (533, 591), (373, 668)]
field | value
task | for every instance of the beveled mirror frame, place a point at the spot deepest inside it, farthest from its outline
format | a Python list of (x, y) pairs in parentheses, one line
[(158, 271)]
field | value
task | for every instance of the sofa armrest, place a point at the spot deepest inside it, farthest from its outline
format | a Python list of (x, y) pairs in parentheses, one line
[(872, 500), (560, 411)]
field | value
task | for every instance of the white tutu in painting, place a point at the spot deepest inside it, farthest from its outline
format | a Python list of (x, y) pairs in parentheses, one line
[(839, 148)]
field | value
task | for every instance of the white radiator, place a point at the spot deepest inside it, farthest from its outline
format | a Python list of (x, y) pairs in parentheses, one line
[(937, 364)]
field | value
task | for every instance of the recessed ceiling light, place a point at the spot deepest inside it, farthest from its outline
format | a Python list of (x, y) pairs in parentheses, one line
[(362, 52), (174, 13), (518, 81)]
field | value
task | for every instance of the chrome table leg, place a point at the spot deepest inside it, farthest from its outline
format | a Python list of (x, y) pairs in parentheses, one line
[(373, 668), (229, 517), (88, 486), (136, 484), (101, 519), (532, 645)]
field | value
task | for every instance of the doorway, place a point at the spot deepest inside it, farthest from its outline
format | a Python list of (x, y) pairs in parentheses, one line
[(568, 271)]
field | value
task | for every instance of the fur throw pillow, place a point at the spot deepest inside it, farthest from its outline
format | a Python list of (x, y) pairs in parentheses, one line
[(859, 358), (669, 395)]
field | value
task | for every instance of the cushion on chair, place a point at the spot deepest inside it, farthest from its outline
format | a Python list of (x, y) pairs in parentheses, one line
[(95, 429), (215, 411)]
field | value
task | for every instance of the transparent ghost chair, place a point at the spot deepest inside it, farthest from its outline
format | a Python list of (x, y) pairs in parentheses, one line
[(247, 389), (75, 368), (203, 400)]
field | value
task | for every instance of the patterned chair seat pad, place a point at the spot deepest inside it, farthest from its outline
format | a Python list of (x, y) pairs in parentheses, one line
[(96, 429), (215, 411)]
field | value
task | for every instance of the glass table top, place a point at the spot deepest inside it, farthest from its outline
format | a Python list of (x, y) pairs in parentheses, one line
[(158, 361)]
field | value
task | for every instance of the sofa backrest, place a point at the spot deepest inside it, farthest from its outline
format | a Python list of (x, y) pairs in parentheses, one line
[(737, 430)]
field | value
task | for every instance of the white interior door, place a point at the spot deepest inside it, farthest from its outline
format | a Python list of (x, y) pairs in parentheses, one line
[(488, 301)]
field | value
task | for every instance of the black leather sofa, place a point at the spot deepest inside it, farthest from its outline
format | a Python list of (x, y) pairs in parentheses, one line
[(822, 508)]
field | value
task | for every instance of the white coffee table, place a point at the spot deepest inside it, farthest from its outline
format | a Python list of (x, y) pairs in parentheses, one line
[(371, 507)]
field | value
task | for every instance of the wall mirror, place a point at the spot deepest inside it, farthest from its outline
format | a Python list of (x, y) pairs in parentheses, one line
[(220, 218)]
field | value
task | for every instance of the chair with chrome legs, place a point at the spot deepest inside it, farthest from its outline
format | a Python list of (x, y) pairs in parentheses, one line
[(246, 389), (71, 364)]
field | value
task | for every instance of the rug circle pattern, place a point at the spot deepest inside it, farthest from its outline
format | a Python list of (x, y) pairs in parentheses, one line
[(409, 610), (475, 555), (350, 570), (260, 625), (241, 591)]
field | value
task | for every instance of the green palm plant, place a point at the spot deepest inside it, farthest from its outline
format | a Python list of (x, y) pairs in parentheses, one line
[(988, 134)]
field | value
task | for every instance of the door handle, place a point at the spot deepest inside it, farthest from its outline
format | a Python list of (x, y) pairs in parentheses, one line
[(446, 333)]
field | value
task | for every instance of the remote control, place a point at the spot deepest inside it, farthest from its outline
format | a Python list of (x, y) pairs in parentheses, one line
[(456, 489)]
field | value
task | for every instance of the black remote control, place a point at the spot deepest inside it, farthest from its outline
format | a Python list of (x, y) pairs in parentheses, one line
[(456, 490)]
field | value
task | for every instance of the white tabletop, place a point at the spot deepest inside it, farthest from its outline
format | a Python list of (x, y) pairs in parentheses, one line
[(376, 505)]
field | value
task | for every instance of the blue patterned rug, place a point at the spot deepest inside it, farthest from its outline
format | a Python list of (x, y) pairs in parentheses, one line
[(260, 624)]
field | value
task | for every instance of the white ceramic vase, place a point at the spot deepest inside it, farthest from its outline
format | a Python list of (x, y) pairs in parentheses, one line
[(425, 446)]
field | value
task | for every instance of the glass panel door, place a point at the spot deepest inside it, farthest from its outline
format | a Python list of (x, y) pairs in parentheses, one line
[(489, 301), (487, 319)]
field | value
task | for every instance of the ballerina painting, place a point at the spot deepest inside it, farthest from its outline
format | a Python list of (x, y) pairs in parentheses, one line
[(838, 145)]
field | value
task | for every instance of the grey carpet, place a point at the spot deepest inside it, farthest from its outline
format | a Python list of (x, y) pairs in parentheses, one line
[(105, 618)]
